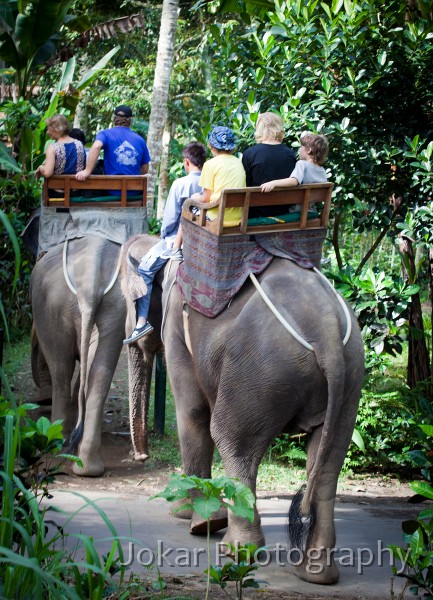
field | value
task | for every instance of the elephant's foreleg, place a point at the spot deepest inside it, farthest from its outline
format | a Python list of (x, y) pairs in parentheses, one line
[(241, 457), (40, 372), (193, 419)]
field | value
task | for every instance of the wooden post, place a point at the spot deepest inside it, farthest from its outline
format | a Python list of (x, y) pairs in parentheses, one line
[(160, 394)]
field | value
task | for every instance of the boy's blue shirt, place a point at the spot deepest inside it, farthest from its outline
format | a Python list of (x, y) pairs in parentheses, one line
[(182, 188)]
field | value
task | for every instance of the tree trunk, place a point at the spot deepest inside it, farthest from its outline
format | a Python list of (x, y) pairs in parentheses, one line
[(161, 84), (335, 240), (418, 364), (431, 310), (163, 173)]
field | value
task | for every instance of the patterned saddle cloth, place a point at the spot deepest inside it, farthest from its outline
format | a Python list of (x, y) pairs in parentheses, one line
[(215, 268)]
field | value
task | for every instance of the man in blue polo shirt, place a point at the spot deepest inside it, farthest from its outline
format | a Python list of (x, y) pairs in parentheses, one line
[(125, 152)]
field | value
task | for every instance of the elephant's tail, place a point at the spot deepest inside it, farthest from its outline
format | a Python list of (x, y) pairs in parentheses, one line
[(87, 322), (299, 524), (332, 365)]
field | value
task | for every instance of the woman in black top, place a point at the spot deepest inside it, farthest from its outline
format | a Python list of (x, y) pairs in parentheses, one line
[(269, 159)]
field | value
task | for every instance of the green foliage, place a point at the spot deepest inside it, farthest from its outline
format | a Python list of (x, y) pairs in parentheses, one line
[(381, 303), (29, 33), (35, 561), (417, 556), (206, 497), (15, 261), (241, 570), (154, 226)]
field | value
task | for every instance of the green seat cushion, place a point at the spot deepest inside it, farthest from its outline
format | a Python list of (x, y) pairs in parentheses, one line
[(287, 218), (78, 199)]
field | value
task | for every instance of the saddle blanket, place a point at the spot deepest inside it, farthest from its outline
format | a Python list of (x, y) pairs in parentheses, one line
[(215, 268)]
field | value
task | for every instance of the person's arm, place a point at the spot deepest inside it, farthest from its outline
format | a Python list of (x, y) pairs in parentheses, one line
[(288, 182), (203, 197), (144, 169), (92, 159), (172, 210), (47, 169)]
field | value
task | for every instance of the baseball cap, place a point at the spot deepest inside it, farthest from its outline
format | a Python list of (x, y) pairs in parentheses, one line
[(123, 111)]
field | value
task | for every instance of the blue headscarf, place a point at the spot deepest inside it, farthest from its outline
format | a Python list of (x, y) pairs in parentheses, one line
[(222, 138)]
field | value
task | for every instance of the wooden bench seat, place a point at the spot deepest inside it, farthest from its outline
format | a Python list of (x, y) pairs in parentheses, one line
[(136, 185), (245, 198)]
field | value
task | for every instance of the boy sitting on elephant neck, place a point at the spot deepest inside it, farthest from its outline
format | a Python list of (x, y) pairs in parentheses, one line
[(194, 155)]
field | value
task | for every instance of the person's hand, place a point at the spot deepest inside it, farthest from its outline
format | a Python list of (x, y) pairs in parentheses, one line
[(38, 173), (82, 175), (196, 196), (268, 187)]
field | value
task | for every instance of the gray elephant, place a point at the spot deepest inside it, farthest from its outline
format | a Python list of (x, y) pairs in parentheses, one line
[(79, 315), (141, 354), (240, 378)]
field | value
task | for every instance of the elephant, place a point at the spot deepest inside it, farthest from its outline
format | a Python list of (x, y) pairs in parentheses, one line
[(240, 378), (79, 314), (141, 354)]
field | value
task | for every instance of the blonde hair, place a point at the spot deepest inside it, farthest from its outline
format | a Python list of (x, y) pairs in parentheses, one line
[(59, 123), (269, 126), (316, 146)]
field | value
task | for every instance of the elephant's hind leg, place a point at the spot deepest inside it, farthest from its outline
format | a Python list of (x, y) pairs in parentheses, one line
[(318, 565), (103, 357)]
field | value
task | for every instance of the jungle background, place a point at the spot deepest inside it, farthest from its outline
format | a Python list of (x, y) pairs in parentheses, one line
[(357, 71)]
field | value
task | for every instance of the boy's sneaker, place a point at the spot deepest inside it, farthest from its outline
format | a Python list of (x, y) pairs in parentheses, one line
[(174, 254), (138, 333)]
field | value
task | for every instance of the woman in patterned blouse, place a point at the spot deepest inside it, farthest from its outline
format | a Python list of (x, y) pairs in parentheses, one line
[(66, 156)]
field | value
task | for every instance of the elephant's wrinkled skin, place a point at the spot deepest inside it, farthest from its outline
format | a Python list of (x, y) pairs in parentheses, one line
[(248, 379), (87, 327), (141, 354)]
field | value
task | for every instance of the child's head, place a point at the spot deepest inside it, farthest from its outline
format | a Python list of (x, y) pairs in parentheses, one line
[(269, 126), (315, 146), (195, 153), (221, 139), (78, 134)]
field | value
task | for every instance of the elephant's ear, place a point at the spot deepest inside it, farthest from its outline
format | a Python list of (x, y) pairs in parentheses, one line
[(136, 286), (30, 234)]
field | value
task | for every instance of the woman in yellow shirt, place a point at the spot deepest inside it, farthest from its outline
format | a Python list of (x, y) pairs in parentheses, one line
[(223, 171)]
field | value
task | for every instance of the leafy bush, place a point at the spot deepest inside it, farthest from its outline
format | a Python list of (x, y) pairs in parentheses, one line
[(417, 556), (381, 303), (20, 195)]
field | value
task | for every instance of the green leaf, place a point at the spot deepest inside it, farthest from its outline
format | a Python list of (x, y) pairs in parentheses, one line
[(428, 429), (93, 72), (7, 162), (205, 507), (423, 488), (358, 440)]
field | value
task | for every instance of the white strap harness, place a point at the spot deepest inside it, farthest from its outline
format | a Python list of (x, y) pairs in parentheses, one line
[(68, 280), (287, 326)]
